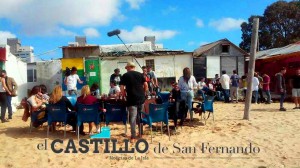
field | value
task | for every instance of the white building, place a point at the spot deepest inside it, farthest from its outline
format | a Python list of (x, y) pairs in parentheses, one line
[(16, 69), (26, 53)]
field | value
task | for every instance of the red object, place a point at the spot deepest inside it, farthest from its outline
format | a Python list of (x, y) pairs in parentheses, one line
[(266, 80), (2, 54)]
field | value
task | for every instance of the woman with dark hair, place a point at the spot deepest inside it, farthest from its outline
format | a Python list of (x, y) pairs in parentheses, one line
[(3, 100), (187, 84), (37, 104)]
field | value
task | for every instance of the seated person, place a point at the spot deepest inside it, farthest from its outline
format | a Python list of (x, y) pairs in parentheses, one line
[(219, 90), (88, 99), (114, 91), (44, 92), (37, 104), (210, 89), (56, 98), (202, 87), (175, 97), (95, 90)]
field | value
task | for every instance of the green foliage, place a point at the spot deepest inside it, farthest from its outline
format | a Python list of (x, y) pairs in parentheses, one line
[(278, 27)]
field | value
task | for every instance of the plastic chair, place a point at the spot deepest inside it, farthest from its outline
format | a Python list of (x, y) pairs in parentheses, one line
[(157, 113), (56, 113), (34, 116), (87, 114), (72, 99), (116, 113), (164, 96)]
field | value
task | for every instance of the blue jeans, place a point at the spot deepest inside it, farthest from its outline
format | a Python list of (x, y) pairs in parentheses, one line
[(9, 108), (268, 96), (134, 117), (226, 95), (188, 97), (255, 93), (220, 96), (282, 97)]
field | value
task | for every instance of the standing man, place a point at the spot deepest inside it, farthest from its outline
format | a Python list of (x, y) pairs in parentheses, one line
[(116, 76), (153, 80), (260, 88), (136, 89), (234, 88), (255, 87), (12, 87), (266, 87), (281, 87), (225, 80), (296, 89), (71, 81)]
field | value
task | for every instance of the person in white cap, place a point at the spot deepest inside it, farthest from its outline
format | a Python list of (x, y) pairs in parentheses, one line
[(136, 90)]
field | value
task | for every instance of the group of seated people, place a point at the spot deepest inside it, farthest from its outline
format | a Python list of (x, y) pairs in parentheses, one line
[(39, 98)]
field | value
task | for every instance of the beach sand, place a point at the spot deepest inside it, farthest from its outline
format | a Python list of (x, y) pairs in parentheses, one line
[(276, 135)]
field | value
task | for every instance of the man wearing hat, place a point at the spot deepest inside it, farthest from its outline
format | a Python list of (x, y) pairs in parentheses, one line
[(134, 88)]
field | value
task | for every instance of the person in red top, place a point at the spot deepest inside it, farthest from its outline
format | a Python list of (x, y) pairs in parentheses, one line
[(88, 99), (266, 87)]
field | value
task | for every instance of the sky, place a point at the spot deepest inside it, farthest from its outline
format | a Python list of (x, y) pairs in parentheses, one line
[(185, 25)]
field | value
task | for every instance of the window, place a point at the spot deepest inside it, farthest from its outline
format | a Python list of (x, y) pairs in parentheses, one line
[(31, 75), (151, 64), (225, 48)]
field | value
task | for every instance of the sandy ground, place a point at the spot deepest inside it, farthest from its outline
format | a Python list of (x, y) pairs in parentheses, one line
[(275, 133)]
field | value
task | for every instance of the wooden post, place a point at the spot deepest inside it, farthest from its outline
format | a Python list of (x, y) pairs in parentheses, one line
[(251, 67)]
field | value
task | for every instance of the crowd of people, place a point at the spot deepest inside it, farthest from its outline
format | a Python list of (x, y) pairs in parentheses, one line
[(135, 87)]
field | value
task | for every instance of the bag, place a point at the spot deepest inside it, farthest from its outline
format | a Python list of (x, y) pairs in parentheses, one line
[(13, 94)]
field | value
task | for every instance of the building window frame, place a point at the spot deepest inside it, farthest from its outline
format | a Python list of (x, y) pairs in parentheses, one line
[(31, 75), (151, 63)]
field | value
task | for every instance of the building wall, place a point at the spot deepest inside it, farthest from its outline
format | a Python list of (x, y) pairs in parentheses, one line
[(18, 70), (217, 51), (79, 52), (49, 73)]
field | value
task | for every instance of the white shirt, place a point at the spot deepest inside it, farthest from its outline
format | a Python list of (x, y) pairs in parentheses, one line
[(72, 82), (190, 85), (225, 80), (114, 90), (255, 83), (201, 84)]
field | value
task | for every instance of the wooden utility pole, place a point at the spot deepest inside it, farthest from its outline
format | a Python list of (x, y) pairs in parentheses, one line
[(251, 67)]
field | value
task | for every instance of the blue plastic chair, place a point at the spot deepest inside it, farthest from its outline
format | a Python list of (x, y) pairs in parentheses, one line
[(208, 106), (34, 116), (157, 113), (164, 96), (72, 99), (88, 114), (116, 113), (56, 113)]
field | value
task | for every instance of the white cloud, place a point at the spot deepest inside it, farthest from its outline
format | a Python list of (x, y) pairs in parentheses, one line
[(226, 24), (138, 33), (199, 23), (191, 43), (4, 35), (46, 17), (169, 10), (135, 4), (91, 32), (65, 32)]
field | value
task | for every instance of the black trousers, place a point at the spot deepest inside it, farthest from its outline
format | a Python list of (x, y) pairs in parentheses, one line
[(3, 104)]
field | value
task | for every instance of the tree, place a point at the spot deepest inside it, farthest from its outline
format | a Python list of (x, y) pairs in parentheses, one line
[(279, 26)]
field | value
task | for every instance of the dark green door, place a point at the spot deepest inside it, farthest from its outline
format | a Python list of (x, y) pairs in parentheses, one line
[(92, 70)]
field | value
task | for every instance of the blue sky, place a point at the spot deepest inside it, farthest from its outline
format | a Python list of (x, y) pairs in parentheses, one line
[(177, 24)]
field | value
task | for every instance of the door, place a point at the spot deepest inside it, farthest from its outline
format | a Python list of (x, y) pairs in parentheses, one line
[(92, 71), (199, 67)]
